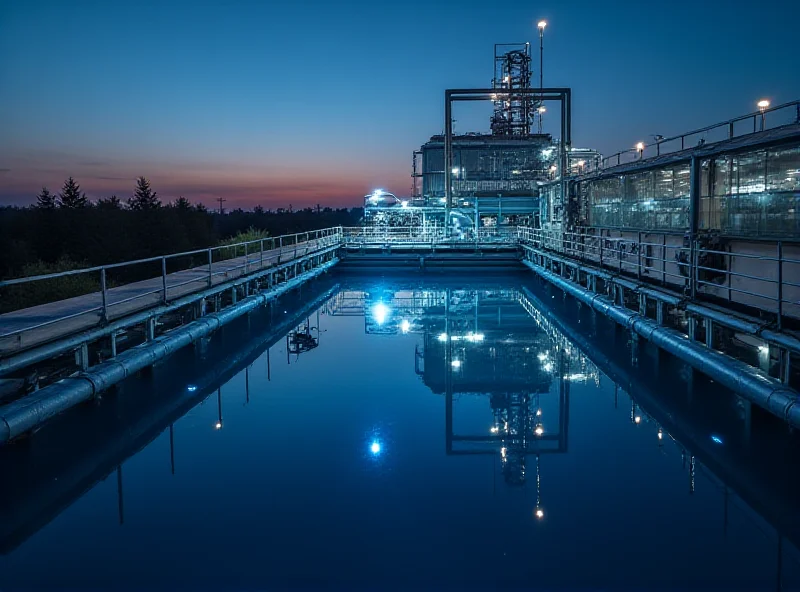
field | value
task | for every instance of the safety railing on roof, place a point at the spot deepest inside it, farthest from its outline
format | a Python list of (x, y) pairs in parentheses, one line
[(98, 294), (768, 118)]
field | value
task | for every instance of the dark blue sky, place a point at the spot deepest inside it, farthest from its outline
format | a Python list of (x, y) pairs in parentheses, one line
[(310, 101)]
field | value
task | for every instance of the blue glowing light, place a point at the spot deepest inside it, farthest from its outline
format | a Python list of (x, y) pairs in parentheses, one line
[(379, 312), (375, 448), (191, 388), (716, 439)]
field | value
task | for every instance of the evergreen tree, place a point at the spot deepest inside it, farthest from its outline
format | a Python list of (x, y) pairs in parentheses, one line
[(144, 198), (71, 196), (111, 203), (46, 200), (182, 204)]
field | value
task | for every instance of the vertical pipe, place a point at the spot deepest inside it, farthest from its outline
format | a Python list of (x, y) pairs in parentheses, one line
[(448, 148)]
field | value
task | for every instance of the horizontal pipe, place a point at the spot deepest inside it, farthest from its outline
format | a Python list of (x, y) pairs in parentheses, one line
[(29, 412), (750, 383), (78, 462), (47, 351), (737, 323)]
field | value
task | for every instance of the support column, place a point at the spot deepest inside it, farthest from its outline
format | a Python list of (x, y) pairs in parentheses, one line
[(82, 356), (150, 329)]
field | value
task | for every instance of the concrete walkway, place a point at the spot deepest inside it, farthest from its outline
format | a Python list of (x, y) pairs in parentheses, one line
[(28, 327)]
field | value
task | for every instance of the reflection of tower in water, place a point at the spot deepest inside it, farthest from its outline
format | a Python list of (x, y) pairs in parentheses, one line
[(514, 418)]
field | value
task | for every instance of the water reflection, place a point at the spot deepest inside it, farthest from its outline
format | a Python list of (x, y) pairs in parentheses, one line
[(72, 453), (482, 343), (523, 361)]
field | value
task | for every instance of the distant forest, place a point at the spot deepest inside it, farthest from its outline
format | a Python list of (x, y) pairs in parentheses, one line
[(67, 231)]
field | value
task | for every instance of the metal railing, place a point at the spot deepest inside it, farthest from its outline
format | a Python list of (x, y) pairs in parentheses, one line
[(139, 288), (728, 129), (432, 235), (760, 279)]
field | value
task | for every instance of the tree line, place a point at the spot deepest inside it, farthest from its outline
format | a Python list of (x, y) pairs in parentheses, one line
[(66, 230)]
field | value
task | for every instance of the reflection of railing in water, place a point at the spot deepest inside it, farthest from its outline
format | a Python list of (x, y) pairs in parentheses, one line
[(729, 460), (68, 463)]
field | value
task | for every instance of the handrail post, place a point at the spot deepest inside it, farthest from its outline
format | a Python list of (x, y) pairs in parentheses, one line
[(639, 256), (209, 268), (600, 238), (246, 258), (261, 254), (104, 317), (693, 274), (780, 286), (164, 277)]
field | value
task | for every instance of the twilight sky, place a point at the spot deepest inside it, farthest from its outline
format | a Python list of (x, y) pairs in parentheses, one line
[(312, 101)]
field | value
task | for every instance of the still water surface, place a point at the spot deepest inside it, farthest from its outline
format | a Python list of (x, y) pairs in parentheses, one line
[(411, 433)]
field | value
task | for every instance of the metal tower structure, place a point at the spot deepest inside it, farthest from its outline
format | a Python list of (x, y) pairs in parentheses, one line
[(513, 114)]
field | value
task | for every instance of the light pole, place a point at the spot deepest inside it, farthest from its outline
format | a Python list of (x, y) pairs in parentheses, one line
[(762, 106), (541, 25)]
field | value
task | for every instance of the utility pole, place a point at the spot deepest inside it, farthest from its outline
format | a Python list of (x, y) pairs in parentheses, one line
[(221, 200)]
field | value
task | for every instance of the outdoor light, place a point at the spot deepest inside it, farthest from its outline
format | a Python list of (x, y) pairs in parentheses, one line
[(539, 430), (542, 357), (456, 363), (218, 425), (548, 367), (542, 24), (375, 447), (640, 146), (538, 413), (763, 104), (542, 109), (763, 349), (191, 388), (660, 434), (404, 204), (494, 430), (405, 326), (637, 419), (442, 336)]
